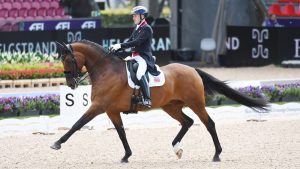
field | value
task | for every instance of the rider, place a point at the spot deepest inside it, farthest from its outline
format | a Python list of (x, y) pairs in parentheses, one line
[(140, 43)]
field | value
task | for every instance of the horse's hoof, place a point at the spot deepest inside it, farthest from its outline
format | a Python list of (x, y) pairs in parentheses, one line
[(179, 153), (56, 146), (178, 150), (124, 160), (216, 158)]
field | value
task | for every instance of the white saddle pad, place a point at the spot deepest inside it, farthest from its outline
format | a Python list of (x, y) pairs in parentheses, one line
[(154, 81)]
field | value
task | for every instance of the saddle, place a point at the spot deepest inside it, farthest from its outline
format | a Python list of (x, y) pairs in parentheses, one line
[(155, 80)]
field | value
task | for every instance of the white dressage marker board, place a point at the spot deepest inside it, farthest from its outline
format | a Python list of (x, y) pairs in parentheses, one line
[(74, 103)]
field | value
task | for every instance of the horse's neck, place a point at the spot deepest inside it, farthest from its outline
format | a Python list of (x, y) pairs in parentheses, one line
[(99, 66), (95, 65)]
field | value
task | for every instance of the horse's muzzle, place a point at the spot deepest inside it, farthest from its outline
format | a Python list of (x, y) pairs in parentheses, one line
[(72, 85)]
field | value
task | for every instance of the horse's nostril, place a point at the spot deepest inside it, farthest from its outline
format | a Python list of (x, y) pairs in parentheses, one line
[(71, 86)]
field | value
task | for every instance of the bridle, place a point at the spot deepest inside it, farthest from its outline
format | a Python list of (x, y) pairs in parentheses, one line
[(76, 73)]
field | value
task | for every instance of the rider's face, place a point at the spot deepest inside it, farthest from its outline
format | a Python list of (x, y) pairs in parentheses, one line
[(136, 18)]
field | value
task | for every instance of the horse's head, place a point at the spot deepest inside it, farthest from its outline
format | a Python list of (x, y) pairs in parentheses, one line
[(73, 63)]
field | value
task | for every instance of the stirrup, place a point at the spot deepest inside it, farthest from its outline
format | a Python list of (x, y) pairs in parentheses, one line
[(147, 103)]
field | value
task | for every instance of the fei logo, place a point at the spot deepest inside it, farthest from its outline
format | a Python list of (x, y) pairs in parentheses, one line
[(88, 25), (36, 27), (62, 26), (260, 50)]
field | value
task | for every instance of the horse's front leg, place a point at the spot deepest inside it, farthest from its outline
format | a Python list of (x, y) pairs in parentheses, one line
[(117, 121), (92, 112)]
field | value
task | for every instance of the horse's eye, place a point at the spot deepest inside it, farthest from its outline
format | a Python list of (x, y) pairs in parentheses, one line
[(67, 59)]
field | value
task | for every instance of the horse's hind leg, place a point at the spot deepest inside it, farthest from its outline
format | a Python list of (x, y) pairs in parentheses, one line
[(198, 106), (117, 121), (174, 109), (212, 131)]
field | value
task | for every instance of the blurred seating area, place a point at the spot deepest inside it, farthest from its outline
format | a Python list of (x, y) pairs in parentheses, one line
[(287, 11), (284, 8), (14, 11)]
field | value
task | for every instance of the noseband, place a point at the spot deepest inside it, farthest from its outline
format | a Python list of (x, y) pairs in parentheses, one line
[(76, 74)]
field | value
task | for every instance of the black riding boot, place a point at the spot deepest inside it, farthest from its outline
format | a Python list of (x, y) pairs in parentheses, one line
[(146, 91)]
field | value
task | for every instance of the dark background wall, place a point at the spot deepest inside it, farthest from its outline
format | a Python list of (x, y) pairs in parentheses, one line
[(198, 18)]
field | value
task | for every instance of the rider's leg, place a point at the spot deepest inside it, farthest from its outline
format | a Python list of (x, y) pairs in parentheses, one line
[(142, 67), (146, 91), (143, 80)]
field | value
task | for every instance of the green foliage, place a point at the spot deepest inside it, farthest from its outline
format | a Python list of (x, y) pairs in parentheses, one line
[(17, 57), (122, 17), (291, 92), (116, 17), (30, 66)]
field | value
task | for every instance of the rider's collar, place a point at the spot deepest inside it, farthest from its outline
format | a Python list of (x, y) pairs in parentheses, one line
[(141, 24)]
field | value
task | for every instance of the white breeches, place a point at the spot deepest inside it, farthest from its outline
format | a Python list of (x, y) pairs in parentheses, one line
[(142, 66)]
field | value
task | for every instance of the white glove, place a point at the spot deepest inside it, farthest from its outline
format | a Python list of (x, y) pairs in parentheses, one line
[(115, 47), (128, 58)]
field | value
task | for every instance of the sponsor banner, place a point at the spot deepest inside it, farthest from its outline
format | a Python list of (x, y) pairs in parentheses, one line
[(250, 46), (257, 46), (44, 41), (67, 24), (289, 43)]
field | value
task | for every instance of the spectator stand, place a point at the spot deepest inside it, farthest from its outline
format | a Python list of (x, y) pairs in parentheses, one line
[(287, 11), (12, 12)]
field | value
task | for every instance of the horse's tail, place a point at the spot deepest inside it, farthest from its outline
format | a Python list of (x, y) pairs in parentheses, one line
[(213, 85)]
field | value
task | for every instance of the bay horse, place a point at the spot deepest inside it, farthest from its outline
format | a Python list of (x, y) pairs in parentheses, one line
[(184, 86)]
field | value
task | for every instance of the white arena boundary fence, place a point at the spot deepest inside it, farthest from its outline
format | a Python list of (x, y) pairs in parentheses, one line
[(73, 103)]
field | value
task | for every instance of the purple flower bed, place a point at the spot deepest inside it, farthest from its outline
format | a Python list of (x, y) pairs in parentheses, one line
[(40, 104), (278, 91), (50, 103), (251, 91), (272, 93)]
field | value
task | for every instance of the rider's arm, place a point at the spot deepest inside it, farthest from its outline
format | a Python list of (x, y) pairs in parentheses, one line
[(142, 37), (131, 36)]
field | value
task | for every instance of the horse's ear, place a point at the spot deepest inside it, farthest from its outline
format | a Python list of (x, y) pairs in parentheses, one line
[(61, 47), (65, 45), (59, 44), (68, 48)]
